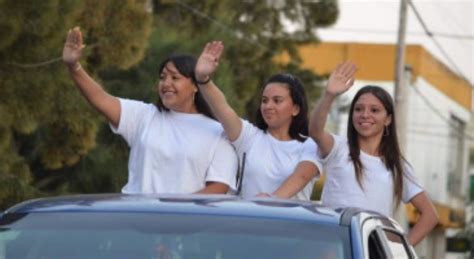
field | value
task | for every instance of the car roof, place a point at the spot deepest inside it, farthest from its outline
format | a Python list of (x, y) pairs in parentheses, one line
[(223, 205)]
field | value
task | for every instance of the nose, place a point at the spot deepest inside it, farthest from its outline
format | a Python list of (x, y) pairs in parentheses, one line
[(365, 113), (267, 105), (163, 82)]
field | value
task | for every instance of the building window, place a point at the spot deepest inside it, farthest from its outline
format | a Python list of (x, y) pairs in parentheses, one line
[(456, 156)]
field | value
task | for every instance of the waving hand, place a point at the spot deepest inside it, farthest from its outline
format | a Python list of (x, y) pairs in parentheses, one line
[(209, 60), (341, 78), (73, 47)]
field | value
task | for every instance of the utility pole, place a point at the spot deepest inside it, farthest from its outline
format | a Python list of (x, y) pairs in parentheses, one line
[(401, 91)]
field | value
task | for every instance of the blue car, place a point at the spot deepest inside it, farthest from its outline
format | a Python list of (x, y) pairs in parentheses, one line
[(194, 226)]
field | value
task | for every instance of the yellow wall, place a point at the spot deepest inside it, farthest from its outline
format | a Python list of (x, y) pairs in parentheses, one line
[(376, 62)]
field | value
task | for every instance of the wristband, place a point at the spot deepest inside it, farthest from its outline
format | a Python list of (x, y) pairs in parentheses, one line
[(203, 82), (76, 67)]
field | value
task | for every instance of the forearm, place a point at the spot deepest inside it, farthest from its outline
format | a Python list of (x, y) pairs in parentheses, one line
[(105, 103), (428, 218), (318, 123), (222, 110), (319, 116), (303, 174), (214, 188), (425, 224)]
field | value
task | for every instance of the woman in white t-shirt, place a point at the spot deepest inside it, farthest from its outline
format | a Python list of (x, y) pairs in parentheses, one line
[(275, 147), (176, 146), (367, 169)]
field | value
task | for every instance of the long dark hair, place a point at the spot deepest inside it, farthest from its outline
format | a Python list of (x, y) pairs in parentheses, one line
[(185, 64), (389, 148), (299, 124)]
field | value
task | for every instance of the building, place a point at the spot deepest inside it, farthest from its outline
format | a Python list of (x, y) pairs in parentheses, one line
[(437, 109)]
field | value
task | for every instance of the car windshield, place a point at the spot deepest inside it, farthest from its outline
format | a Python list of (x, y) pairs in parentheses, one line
[(172, 236)]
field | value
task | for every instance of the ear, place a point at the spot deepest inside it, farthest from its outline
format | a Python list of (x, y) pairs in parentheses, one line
[(296, 110), (388, 120)]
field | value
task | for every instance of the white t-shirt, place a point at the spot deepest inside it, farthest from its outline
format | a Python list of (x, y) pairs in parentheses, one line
[(341, 188), (173, 152), (269, 162)]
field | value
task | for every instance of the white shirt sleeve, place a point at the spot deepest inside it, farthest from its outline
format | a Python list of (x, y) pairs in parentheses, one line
[(337, 152), (310, 153), (411, 186), (223, 166), (131, 115), (246, 138)]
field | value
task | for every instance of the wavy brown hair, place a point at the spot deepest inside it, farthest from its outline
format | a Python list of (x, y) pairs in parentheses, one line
[(389, 147)]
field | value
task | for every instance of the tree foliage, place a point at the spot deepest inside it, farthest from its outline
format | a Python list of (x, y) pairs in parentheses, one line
[(45, 124), (254, 33)]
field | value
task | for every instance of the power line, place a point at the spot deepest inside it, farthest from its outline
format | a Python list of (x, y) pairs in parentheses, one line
[(32, 65), (222, 26), (438, 45), (375, 31), (453, 18), (439, 114)]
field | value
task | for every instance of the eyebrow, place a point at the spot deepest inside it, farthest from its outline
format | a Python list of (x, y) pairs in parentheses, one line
[(275, 96)]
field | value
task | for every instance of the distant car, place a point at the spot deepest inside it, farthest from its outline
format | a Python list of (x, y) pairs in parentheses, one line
[(194, 226)]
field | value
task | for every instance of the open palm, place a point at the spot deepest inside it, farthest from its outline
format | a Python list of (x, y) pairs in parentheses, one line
[(342, 78), (209, 60), (73, 47)]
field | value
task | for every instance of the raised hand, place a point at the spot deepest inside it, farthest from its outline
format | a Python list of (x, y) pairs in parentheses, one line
[(208, 60), (73, 47), (342, 78)]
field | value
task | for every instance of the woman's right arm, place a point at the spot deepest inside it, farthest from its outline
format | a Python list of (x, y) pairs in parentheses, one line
[(340, 80), (205, 67), (105, 103)]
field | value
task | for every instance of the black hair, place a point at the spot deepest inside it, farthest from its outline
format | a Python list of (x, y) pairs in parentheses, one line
[(389, 147), (299, 124), (185, 64)]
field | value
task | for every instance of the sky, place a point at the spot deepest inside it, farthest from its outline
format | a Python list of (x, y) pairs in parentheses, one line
[(376, 21)]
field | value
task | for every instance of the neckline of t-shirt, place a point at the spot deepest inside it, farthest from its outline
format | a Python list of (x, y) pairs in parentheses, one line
[(282, 142), (378, 158), (185, 114)]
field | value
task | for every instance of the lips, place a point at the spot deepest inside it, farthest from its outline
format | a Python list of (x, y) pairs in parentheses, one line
[(268, 114), (366, 124), (168, 93)]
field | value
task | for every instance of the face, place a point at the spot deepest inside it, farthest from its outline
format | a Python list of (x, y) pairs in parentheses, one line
[(277, 107), (370, 116), (176, 91)]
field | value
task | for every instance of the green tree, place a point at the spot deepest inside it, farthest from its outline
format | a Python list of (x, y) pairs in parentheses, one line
[(254, 33), (45, 124)]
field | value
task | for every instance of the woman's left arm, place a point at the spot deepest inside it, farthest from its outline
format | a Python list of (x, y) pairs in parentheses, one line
[(214, 188), (427, 220), (304, 172)]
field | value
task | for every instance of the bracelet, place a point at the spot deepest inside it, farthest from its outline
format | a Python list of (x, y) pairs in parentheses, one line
[(203, 82), (76, 67)]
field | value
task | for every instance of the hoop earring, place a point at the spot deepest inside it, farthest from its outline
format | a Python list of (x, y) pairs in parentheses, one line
[(386, 131)]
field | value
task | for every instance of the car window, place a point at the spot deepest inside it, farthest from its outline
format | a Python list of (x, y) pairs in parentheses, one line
[(385, 243), (376, 249), (396, 244), (172, 236)]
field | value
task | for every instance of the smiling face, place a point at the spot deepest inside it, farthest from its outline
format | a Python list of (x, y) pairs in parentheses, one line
[(176, 91), (370, 116), (277, 107)]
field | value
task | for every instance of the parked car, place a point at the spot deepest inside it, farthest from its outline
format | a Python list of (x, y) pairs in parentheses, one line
[(194, 226)]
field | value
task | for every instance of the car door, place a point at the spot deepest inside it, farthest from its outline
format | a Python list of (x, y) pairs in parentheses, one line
[(382, 238)]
